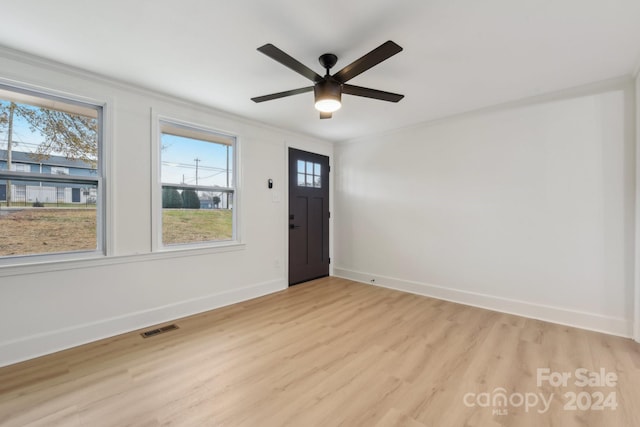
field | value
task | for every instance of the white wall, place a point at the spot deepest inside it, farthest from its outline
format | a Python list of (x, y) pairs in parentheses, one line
[(525, 208), (636, 329), (44, 308)]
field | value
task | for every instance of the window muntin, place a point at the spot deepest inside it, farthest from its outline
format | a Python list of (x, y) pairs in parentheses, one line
[(198, 185), (309, 174), (43, 212)]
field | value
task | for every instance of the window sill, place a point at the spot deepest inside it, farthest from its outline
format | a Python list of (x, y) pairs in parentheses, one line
[(189, 249), (61, 262)]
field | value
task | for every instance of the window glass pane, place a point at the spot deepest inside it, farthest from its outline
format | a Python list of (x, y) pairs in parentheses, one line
[(300, 166), (316, 169), (211, 221), (195, 162), (197, 187), (301, 178), (310, 168), (19, 167), (45, 135), (56, 170), (48, 217), (317, 182), (309, 180)]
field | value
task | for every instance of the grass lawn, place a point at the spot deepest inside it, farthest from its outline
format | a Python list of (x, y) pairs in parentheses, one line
[(41, 230), (33, 231), (195, 225)]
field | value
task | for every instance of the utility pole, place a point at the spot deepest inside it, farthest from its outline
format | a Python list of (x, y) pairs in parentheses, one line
[(197, 160), (227, 193), (12, 107)]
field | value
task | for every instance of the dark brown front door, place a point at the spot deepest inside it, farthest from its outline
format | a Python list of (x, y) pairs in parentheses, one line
[(308, 216)]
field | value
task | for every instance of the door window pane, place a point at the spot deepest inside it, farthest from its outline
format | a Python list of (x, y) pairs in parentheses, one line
[(309, 174)]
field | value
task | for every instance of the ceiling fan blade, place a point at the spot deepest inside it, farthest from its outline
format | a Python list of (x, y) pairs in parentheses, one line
[(325, 115), (277, 55), (371, 93), (282, 94), (376, 56)]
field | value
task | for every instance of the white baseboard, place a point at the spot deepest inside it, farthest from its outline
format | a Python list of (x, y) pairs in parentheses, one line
[(564, 316), (50, 342)]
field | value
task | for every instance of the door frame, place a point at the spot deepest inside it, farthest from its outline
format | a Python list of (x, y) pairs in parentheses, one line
[(323, 149)]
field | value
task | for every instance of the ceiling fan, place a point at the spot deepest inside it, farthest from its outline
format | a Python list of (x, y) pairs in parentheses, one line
[(328, 90)]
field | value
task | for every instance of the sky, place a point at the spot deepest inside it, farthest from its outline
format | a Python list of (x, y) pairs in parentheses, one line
[(23, 138), (179, 156)]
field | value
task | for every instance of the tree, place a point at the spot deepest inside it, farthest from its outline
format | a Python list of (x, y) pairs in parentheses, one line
[(72, 135), (216, 201), (190, 199), (171, 199)]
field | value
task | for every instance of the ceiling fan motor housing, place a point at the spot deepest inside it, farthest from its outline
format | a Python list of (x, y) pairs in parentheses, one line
[(329, 91), (328, 60)]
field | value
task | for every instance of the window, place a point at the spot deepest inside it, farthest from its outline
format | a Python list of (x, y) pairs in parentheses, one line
[(19, 167), (21, 191), (309, 174), (57, 170), (49, 151), (198, 185)]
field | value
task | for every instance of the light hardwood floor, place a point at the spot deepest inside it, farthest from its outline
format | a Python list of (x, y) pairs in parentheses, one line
[(328, 352)]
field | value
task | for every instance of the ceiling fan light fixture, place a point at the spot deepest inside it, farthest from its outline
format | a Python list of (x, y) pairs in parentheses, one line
[(328, 90), (328, 96), (328, 105)]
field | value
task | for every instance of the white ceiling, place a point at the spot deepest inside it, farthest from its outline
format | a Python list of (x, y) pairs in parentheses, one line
[(459, 55)]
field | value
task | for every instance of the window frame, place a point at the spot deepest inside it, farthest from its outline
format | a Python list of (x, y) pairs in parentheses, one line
[(98, 179), (191, 130)]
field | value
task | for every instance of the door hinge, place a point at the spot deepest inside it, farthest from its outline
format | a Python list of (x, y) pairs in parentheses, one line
[(329, 214), (329, 260)]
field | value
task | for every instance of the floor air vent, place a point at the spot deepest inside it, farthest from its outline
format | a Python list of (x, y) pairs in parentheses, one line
[(158, 331)]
